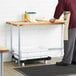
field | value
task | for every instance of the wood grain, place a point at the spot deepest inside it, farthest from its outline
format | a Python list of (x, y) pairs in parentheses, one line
[(3, 49), (22, 23)]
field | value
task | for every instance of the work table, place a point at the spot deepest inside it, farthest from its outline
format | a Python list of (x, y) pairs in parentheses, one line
[(42, 34)]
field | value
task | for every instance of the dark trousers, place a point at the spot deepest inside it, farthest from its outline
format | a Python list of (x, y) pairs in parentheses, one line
[(70, 47)]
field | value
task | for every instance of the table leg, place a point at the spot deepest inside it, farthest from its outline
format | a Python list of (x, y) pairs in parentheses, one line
[(19, 47), (1, 65), (11, 42)]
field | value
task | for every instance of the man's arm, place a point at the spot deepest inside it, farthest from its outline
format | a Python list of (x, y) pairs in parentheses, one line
[(59, 9)]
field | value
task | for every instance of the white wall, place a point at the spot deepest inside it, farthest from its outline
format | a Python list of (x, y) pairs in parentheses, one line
[(11, 10)]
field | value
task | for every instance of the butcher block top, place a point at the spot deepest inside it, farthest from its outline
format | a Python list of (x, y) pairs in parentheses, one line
[(22, 23), (3, 49)]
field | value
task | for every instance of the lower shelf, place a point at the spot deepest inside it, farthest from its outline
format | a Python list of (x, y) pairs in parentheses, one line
[(44, 58), (36, 59)]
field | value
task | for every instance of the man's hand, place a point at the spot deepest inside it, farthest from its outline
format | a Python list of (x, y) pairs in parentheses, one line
[(52, 20)]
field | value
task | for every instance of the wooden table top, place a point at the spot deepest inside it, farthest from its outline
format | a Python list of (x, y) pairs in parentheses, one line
[(3, 49), (22, 23)]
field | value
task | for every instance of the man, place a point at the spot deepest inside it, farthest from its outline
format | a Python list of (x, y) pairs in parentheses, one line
[(70, 52)]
